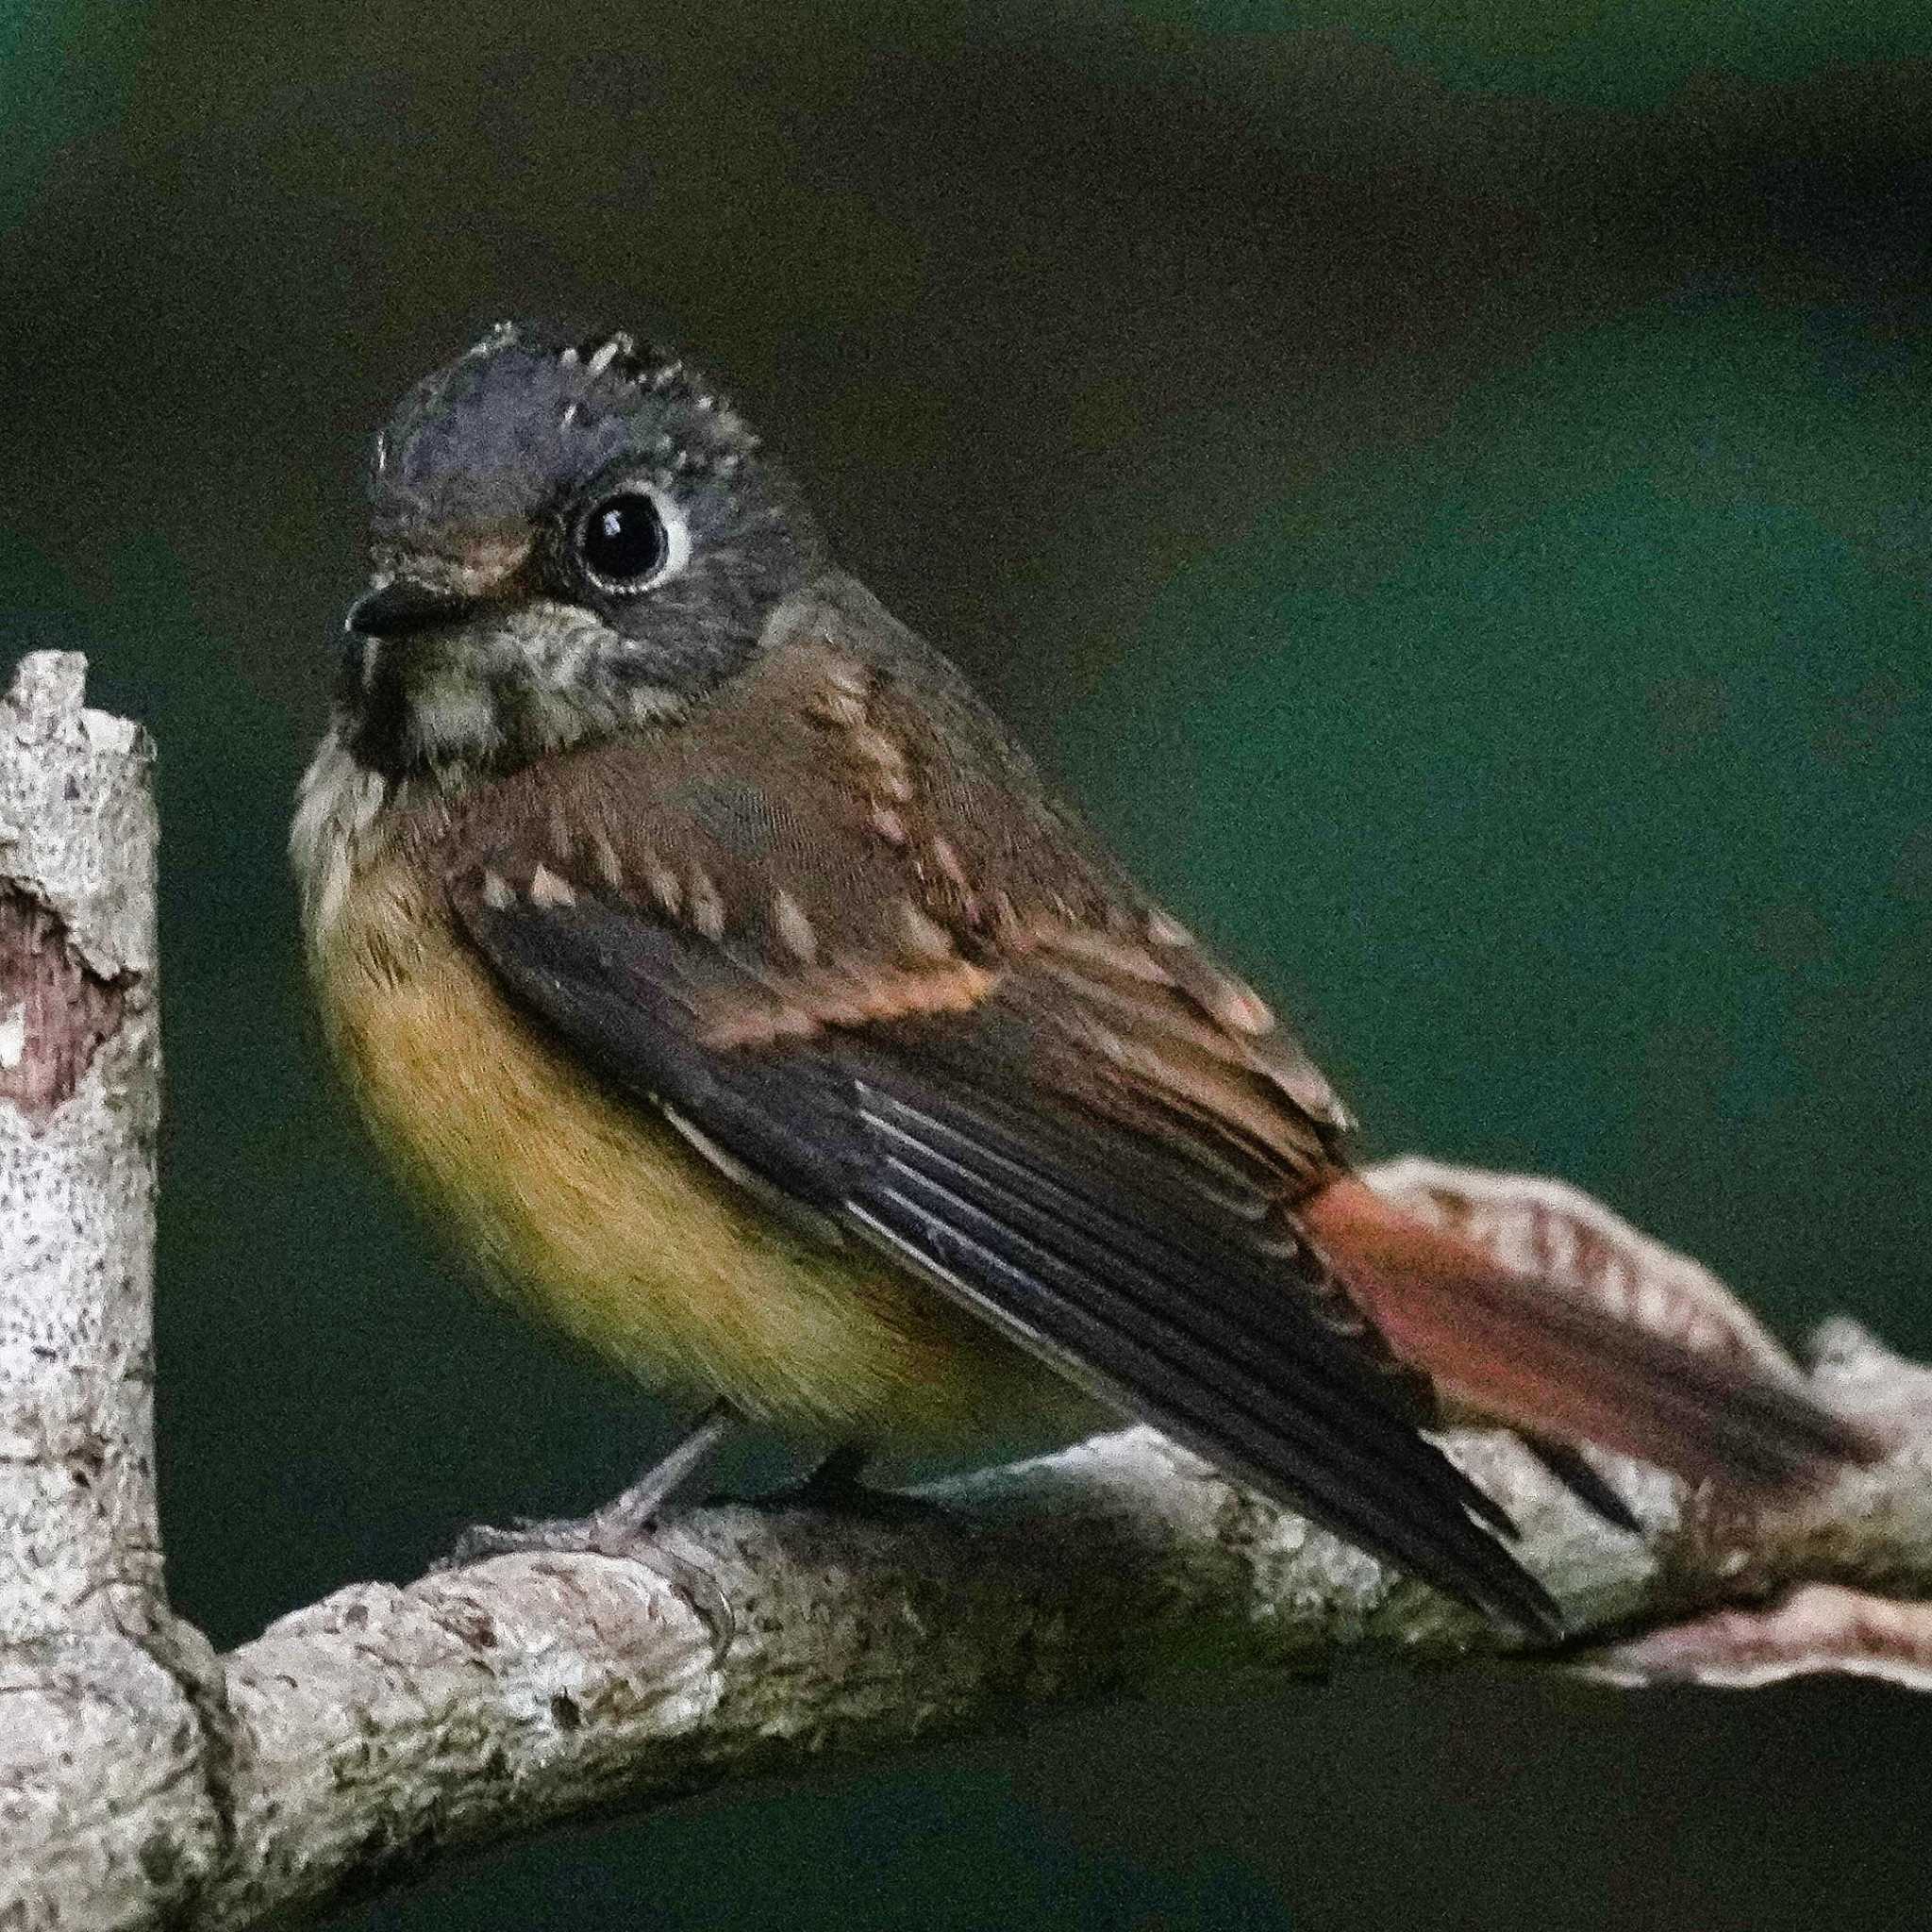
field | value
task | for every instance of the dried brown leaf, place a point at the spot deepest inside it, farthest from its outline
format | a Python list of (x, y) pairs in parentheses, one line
[(1820, 1627)]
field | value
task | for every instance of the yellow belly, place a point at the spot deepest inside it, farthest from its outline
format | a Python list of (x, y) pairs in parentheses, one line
[(598, 1216)]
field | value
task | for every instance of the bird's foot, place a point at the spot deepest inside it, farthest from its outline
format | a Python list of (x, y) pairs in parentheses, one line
[(624, 1527), (594, 1535), (834, 1488), (617, 1531)]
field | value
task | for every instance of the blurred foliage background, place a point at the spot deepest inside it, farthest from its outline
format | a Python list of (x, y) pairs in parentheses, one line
[(1447, 484)]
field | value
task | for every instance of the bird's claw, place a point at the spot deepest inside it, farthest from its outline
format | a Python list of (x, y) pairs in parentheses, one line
[(576, 1536), (612, 1532)]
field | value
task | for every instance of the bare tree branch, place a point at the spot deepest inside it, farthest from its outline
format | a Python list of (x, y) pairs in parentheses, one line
[(144, 1783), (104, 1804), (385, 1726)]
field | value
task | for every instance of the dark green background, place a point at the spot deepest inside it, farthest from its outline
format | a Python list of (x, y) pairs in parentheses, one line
[(1447, 484)]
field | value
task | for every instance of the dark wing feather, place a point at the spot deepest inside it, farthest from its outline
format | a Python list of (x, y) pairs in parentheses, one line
[(1117, 1227), (833, 923)]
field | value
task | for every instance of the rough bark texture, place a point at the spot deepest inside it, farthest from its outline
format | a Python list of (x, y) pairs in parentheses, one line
[(387, 1726), (103, 1765), (144, 1783)]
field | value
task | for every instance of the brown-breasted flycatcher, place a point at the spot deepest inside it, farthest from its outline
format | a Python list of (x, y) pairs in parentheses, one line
[(709, 957)]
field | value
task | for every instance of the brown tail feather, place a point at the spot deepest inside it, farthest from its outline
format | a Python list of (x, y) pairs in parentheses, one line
[(1540, 1357)]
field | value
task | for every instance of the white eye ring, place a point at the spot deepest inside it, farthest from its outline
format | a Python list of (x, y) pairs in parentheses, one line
[(631, 538)]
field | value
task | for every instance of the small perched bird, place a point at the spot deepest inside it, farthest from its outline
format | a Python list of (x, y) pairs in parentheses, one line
[(721, 974)]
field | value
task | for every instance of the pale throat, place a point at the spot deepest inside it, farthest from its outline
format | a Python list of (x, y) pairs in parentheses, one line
[(496, 692), (422, 718)]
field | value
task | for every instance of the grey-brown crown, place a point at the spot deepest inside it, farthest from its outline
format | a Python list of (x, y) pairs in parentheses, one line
[(494, 630), (523, 416)]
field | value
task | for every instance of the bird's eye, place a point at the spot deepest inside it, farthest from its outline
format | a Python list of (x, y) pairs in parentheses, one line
[(622, 542)]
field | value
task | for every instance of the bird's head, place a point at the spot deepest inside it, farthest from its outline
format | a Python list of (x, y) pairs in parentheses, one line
[(567, 540)]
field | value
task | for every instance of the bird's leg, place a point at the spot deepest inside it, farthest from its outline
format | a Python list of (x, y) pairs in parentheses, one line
[(629, 1515), (621, 1523), (835, 1479), (834, 1486)]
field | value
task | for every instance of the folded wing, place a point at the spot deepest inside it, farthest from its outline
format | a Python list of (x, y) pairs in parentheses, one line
[(1120, 1216)]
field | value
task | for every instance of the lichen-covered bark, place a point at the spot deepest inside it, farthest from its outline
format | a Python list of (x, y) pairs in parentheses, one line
[(145, 1784), (390, 1728), (105, 1812)]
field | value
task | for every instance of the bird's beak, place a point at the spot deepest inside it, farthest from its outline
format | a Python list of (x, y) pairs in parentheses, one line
[(404, 603)]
